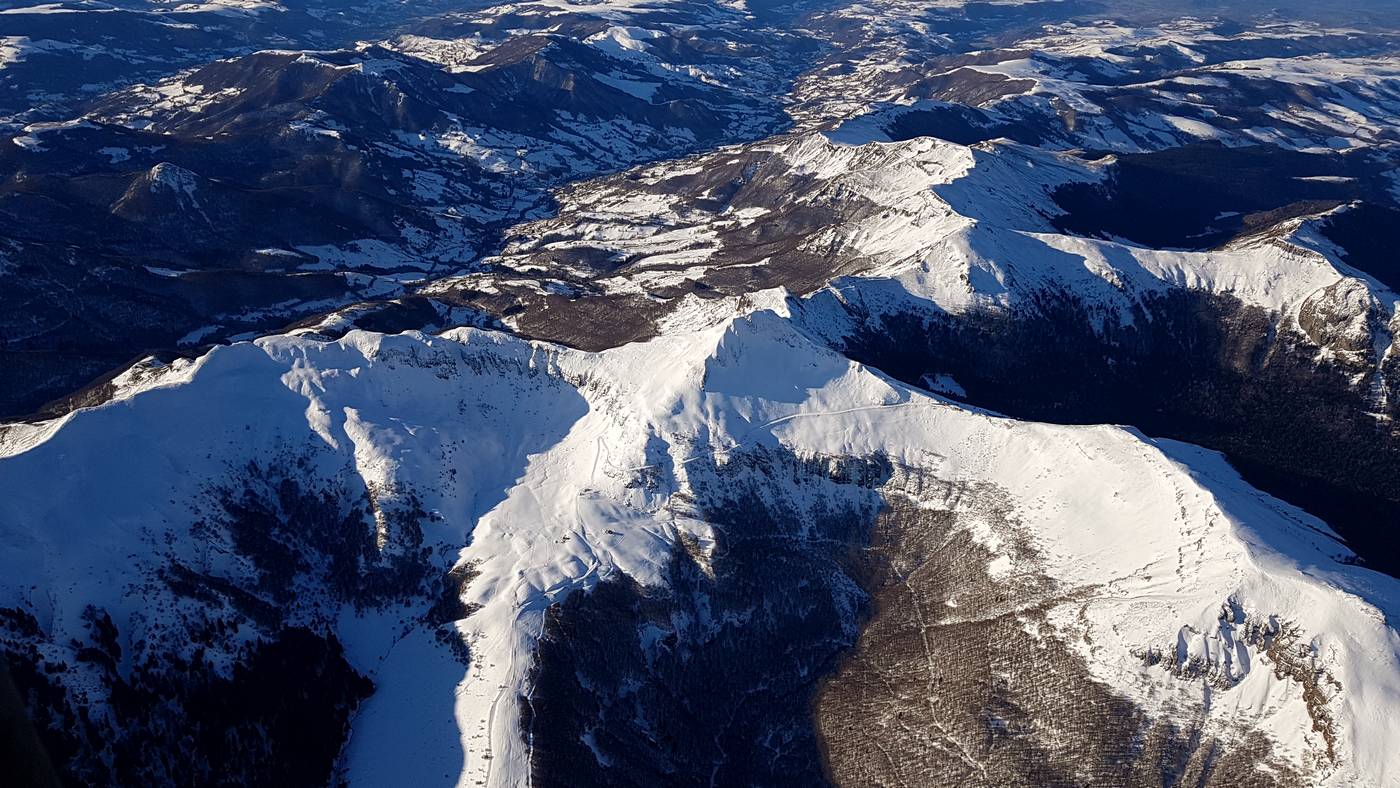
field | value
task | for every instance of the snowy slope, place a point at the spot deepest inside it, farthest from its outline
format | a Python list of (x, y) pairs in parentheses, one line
[(424, 508), (550, 470), (904, 226)]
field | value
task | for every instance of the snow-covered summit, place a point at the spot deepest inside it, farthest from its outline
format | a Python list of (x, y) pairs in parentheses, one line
[(549, 471)]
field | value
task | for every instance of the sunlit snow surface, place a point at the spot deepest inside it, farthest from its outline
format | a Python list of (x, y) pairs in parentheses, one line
[(526, 452)]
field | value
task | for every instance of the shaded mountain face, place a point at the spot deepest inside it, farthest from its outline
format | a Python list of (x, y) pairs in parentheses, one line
[(658, 392), (1202, 196)]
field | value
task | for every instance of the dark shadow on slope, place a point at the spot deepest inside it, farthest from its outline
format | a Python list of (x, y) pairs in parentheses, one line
[(961, 124), (1200, 368), (846, 630), (1369, 236), (1201, 196), (233, 686), (25, 758), (279, 717), (244, 680), (710, 680), (230, 670)]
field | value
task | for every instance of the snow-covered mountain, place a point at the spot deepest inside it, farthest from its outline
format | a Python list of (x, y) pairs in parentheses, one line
[(336, 494), (700, 393)]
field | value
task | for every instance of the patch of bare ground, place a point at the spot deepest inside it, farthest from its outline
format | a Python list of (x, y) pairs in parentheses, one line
[(959, 679)]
